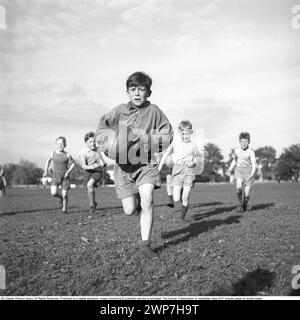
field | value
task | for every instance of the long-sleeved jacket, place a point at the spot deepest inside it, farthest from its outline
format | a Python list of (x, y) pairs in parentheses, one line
[(145, 130)]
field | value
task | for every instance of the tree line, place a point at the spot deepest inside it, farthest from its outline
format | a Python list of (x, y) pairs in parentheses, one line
[(269, 167)]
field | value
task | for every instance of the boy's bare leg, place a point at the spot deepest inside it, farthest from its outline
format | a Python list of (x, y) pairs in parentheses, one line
[(170, 191), (247, 198), (239, 193), (129, 205), (64, 194), (146, 222), (185, 201), (91, 194), (54, 193), (177, 193)]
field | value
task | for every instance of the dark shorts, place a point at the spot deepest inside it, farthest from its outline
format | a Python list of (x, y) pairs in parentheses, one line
[(244, 174), (59, 180), (182, 176), (129, 178), (92, 174)]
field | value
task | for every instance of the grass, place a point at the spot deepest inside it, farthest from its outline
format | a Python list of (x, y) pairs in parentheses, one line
[(217, 252)]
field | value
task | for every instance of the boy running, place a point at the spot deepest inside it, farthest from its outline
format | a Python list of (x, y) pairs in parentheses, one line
[(138, 176), (185, 155), (91, 162), (63, 164), (245, 165)]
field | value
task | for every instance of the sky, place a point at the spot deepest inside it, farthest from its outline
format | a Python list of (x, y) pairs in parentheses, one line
[(227, 66)]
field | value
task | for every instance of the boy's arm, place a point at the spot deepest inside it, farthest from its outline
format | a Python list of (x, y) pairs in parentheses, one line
[(253, 162), (71, 167), (165, 156), (232, 165), (107, 121), (103, 162), (47, 165), (163, 132)]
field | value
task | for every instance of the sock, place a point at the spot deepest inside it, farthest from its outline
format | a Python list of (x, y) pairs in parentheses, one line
[(171, 202), (184, 210)]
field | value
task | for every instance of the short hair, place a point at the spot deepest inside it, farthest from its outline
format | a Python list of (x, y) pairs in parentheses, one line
[(185, 124), (63, 139), (90, 134), (244, 135), (139, 79)]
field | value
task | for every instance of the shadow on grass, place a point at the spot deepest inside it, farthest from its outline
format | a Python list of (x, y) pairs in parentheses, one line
[(11, 213), (193, 230), (221, 210), (262, 206), (200, 216), (254, 283)]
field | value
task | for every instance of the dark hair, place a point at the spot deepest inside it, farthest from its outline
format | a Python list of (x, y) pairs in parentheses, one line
[(245, 135), (90, 134), (139, 79), (185, 124), (63, 139)]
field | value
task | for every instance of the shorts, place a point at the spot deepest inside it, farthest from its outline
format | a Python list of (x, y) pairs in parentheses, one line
[(183, 176), (244, 174), (59, 180), (92, 174), (129, 177)]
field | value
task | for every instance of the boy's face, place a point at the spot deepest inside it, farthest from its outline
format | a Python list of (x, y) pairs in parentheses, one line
[(185, 135), (138, 95), (60, 145), (244, 143), (91, 143)]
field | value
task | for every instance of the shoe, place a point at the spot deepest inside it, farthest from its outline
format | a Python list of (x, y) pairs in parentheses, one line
[(148, 252), (65, 211), (240, 209), (171, 205)]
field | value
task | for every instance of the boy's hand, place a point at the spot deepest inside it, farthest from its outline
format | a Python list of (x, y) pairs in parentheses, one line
[(191, 164), (66, 175)]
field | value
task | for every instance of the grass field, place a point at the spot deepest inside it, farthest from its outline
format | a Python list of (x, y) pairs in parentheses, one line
[(217, 252)]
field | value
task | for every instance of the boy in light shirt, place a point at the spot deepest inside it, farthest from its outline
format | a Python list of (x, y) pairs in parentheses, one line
[(91, 162), (184, 154), (244, 164)]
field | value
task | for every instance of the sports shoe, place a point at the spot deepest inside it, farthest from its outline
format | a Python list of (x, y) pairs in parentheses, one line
[(65, 211), (148, 252), (171, 204)]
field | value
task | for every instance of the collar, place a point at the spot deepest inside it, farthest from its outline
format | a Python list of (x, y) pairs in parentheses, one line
[(132, 108)]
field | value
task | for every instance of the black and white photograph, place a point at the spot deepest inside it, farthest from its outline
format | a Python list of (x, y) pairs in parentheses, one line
[(150, 150)]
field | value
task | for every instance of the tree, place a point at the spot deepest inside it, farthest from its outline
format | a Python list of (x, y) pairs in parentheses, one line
[(266, 158), (26, 173), (213, 162), (9, 170), (288, 164)]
